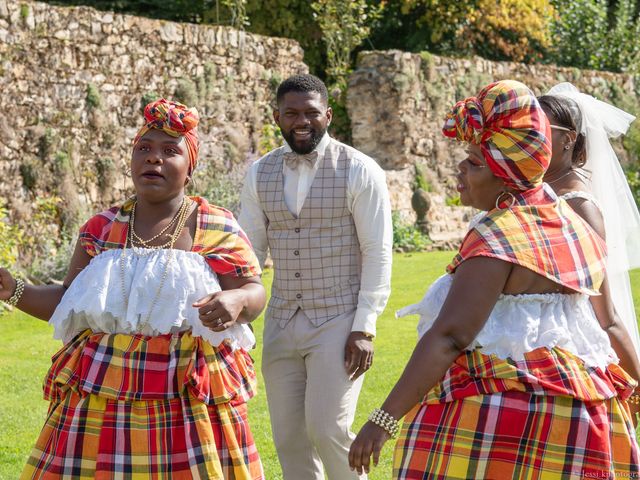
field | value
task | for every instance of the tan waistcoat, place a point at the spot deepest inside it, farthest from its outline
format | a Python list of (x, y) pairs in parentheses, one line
[(316, 256)]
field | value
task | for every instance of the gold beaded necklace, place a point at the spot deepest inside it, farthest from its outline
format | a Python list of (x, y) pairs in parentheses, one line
[(146, 243), (182, 216)]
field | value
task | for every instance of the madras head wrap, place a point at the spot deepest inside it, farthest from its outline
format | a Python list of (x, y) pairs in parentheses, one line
[(174, 119), (507, 122)]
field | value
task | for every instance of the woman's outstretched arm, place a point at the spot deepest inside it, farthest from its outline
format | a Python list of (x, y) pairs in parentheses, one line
[(41, 301)]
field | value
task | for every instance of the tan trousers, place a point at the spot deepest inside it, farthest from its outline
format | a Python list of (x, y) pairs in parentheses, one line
[(312, 402)]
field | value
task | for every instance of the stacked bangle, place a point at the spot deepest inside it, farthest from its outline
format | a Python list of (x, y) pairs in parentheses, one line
[(385, 421), (17, 294), (634, 399)]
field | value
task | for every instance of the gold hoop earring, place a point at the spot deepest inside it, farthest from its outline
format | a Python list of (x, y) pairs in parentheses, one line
[(501, 199)]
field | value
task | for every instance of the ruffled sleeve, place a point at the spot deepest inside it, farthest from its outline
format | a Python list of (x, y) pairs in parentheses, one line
[(94, 232), (224, 245)]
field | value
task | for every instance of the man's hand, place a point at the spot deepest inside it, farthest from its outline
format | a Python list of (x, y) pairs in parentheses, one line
[(358, 354)]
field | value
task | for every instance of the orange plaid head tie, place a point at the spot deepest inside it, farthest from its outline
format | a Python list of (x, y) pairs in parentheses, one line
[(174, 119), (293, 159), (507, 122)]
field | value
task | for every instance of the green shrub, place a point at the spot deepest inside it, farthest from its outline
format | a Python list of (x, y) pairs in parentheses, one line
[(105, 172), (633, 177), (62, 163), (420, 180), (29, 174), (46, 249), (93, 98), (407, 238), (46, 144), (453, 201), (186, 92), (270, 138), (221, 188), (10, 238)]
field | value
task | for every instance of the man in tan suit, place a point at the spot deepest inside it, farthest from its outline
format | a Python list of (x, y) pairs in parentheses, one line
[(322, 209)]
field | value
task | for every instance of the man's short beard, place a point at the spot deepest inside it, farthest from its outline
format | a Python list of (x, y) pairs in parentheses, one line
[(316, 138)]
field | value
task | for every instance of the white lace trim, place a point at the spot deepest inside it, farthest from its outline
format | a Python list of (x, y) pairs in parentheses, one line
[(94, 300), (522, 323)]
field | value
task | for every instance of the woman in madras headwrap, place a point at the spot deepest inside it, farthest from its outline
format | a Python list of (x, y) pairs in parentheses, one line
[(154, 374), (513, 377)]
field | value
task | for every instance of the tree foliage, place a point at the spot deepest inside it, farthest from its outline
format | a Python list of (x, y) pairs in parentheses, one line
[(597, 34), (291, 19), (518, 30), (502, 30), (344, 25)]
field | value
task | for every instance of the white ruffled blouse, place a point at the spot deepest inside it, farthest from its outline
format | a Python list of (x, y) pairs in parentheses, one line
[(95, 299), (522, 323)]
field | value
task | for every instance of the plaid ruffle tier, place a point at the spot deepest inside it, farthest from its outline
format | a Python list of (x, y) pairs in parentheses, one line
[(546, 417), (136, 407)]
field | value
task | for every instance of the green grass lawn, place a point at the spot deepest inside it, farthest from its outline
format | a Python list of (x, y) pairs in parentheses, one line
[(26, 348)]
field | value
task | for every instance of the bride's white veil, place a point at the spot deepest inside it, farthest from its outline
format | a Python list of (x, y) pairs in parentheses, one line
[(601, 121)]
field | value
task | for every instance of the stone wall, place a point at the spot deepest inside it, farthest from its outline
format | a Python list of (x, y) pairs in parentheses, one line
[(397, 102), (73, 84), (74, 81)]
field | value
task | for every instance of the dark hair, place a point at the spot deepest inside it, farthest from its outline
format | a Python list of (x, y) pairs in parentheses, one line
[(567, 114), (302, 83)]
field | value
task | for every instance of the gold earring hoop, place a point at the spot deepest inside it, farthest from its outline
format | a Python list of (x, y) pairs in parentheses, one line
[(501, 199)]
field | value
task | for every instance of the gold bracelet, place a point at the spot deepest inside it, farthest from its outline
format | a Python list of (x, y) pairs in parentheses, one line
[(634, 399), (17, 293)]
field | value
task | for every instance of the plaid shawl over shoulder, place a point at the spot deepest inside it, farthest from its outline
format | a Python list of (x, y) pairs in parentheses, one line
[(540, 232)]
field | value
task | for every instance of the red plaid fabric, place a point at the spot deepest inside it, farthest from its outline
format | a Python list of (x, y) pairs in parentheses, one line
[(218, 238), (548, 416), (514, 435), (540, 232), (135, 407)]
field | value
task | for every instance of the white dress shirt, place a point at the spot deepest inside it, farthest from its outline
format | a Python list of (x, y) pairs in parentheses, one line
[(368, 202)]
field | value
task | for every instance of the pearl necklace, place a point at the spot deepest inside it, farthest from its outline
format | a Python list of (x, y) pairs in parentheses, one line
[(182, 216)]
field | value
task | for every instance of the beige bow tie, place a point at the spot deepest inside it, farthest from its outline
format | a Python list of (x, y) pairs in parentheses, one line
[(293, 159)]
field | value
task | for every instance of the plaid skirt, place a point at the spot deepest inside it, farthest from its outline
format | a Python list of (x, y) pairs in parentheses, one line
[(548, 417), (136, 407)]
